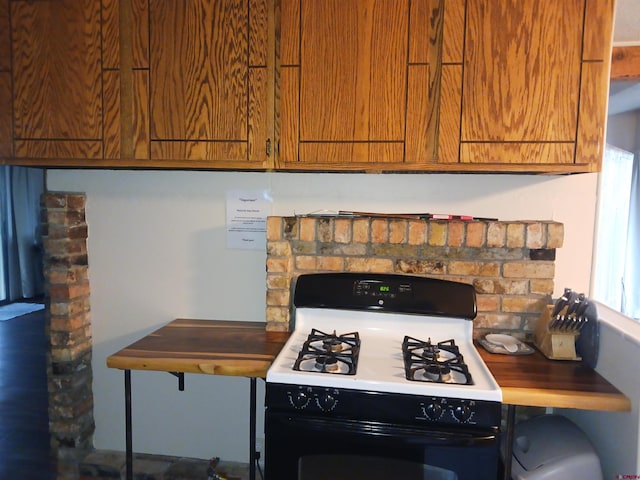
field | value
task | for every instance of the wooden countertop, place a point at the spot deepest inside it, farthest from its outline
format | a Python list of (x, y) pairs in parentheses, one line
[(215, 347), (246, 349), (534, 380)]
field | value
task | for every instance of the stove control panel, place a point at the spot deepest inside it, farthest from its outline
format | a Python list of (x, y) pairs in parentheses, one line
[(330, 402), (385, 292), (379, 289), (323, 399), (438, 409)]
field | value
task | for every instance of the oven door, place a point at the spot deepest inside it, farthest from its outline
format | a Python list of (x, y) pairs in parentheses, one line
[(313, 448)]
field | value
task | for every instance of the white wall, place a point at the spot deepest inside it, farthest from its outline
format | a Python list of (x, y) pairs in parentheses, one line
[(157, 252), (615, 434), (623, 131)]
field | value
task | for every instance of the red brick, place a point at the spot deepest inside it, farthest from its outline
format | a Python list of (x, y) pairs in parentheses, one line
[(379, 231), (361, 230), (496, 235), (342, 232), (437, 234), (383, 265), (58, 293), (535, 235), (417, 232), (398, 231), (274, 228), (555, 235), (455, 236), (278, 298), (475, 234), (515, 235), (277, 265), (307, 229)]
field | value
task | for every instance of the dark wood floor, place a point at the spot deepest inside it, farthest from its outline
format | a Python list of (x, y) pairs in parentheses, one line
[(24, 424)]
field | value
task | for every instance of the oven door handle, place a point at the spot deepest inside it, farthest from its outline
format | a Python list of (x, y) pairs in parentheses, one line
[(456, 436)]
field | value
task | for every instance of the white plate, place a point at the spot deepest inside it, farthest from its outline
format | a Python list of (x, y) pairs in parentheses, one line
[(510, 344)]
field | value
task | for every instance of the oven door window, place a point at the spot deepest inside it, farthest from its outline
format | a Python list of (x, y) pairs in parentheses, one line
[(349, 467)]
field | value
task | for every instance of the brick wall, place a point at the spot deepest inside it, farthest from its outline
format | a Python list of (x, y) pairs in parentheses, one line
[(71, 422), (510, 264)]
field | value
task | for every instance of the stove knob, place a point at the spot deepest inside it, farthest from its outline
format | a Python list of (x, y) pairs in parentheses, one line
[(462, 413), (326, 402), (433, 411), (299, 399)]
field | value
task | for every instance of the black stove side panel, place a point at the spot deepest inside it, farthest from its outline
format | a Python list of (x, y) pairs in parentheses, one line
[(386, 293)]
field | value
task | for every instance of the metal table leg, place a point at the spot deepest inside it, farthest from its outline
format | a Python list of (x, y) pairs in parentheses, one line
[(128, 435), (508, 444), (252, 430)]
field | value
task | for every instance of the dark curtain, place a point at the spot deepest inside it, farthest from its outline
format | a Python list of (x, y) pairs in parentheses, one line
[(21, 266)]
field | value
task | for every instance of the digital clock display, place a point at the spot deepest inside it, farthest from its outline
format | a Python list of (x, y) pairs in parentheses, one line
[(385, 288)]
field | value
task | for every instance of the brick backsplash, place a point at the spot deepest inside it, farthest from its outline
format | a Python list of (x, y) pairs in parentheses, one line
[(510, 264)]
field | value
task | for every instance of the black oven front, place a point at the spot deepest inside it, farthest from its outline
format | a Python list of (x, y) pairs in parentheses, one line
[(317, 433)]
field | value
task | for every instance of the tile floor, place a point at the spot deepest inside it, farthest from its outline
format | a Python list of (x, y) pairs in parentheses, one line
[(24, 429)]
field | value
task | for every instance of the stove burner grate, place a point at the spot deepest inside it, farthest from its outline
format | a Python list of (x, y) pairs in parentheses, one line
[(329, 353), (435, 363)]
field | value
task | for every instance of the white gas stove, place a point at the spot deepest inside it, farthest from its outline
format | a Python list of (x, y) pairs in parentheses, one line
[(380, 373), (388, 334)]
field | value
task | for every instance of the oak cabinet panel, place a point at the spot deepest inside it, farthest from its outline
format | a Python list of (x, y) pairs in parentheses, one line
[(56, 73), (535, 77), (208, 82), (359, 83)]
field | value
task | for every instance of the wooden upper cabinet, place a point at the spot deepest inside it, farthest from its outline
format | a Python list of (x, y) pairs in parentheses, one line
[(534, 87), (209, 83), (141, 83), (359, 83), (331, 85), (56, 80)]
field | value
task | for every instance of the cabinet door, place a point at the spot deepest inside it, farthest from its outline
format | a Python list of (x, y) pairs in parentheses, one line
[(56, 77), (6, 136), (526, 81), (210, 74), (359, 84)]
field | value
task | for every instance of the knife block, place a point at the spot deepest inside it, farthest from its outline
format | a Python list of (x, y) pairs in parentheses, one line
[(555, 345)]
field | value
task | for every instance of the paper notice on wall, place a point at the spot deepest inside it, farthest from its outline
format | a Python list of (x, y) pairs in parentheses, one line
[(247, 212)]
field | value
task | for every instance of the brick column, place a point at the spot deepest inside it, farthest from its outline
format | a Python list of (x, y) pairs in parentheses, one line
[(71, 421)]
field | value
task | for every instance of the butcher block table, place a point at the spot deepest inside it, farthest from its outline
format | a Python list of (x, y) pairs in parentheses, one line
[(214, 347), (534, 380)]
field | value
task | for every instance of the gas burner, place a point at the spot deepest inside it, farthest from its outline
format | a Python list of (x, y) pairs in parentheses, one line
[(333, 345), (437, 373), (436, 363), (329, 353), (327, 363)]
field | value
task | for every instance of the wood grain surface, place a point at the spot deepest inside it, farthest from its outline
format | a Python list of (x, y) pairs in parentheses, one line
[(199, 70), (625, 63), (534, 380), (513, 89), (57, 78), (213, 347), (219, 347), (359, 83)]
